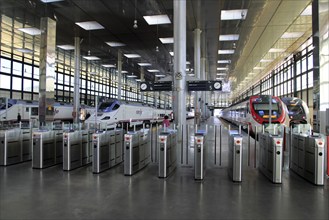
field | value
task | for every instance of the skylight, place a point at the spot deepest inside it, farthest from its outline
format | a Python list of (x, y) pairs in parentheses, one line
[(31, 31), (228, 37), (157, 19), (307, 11), (287, 35), (115, 44), (132, 55), (167, 40), (276, 50), (24, 50), (90, 25), (239, 14), (265, 61), (66, 47)]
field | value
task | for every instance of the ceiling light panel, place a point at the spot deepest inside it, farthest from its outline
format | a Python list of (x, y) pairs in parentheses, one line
[(171, 53), (307, 11), (90, 25), (115, 44), (153, 71), (50, 1), (66, 47), (222, 68), (224, 61), (132, 55), (91, 58), (221, 74), (31, 31), (225, 51), (265, 61), (288, 35), (157, 19), (122, 71), (131, 76), (167, 40), (108, 65), (160, 75), (144, 64), (276, 50), (239, 14), (228, 37), (24, 50)]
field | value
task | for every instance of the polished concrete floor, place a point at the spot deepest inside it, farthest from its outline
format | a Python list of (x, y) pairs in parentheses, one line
[(52, 193)]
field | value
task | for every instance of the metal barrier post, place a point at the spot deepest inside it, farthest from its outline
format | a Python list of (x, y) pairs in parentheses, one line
[(199, 156), (167, 153), (235, 157)]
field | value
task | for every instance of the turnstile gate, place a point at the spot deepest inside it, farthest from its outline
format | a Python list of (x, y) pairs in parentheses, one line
[(137, 151), (76, 149), (11, 151), (107, 147), (235, 157), (307, 157), (199, 155), (167, 152), (270, 161), (47, 148)]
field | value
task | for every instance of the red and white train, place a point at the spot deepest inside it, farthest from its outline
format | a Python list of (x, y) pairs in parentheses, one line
[(257, 110)]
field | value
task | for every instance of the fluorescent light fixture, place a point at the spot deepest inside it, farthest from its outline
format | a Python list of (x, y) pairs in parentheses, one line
[(108, 65), (239, 14), (224, 61), (167, 40), (66, 47), (157, 19), (222, 68), (115, 44), (132, 55), (307, 11), (160, 75), (288, 35), (131, 76), (144, 64), (225, 51), (276, 50), (153, 71), (50, 1), (138, 80), (258, 68), (93, 73), (221, 78), (171, 53), (122, 71), (188, 62), (265, 61), (90, 25), (31, 31), (228, 37), (91, 58), (221, 74), (191, 74), (24, 50)]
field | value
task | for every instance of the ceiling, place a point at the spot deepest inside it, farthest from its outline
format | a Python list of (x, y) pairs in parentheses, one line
[(264, 24)]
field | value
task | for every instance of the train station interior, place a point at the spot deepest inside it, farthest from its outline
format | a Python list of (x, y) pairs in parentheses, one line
[(164, 109)]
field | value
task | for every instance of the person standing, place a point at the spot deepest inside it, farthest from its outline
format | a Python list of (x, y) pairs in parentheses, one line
[(166, 122), (19, 118)]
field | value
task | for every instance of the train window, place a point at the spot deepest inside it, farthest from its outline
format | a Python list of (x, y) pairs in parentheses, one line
[(27, 109), (34, 111), (116, 106)]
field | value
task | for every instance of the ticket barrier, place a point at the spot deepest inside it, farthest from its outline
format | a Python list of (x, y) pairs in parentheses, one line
[(107, 147), (271, 151), (235, 157), (11, 149), (76, 149), (137, 154), (167, 152), (47, 148), (199, 155), (308, 156)]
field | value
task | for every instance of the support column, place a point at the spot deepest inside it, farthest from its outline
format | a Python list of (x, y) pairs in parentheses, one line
[(76, 100), (180, 61), (197, 72), (119, 73), (47, 70), (142, 79), (203, 93)]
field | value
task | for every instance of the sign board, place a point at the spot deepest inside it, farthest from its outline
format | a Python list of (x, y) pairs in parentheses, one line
[(205, 85), (156, 86)]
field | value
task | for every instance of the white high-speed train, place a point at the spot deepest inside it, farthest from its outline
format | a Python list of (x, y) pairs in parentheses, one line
[(298, 111), (113, 112), (255, 111), (9, 109)]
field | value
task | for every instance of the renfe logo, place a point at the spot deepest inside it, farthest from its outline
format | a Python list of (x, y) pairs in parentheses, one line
[(139, 112)]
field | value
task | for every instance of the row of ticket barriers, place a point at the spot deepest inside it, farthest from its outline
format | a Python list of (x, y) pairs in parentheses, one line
[(106, 149)]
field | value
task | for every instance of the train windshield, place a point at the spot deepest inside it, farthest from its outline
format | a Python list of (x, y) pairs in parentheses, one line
[(108, 106), (295, 110), (262, 108)]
